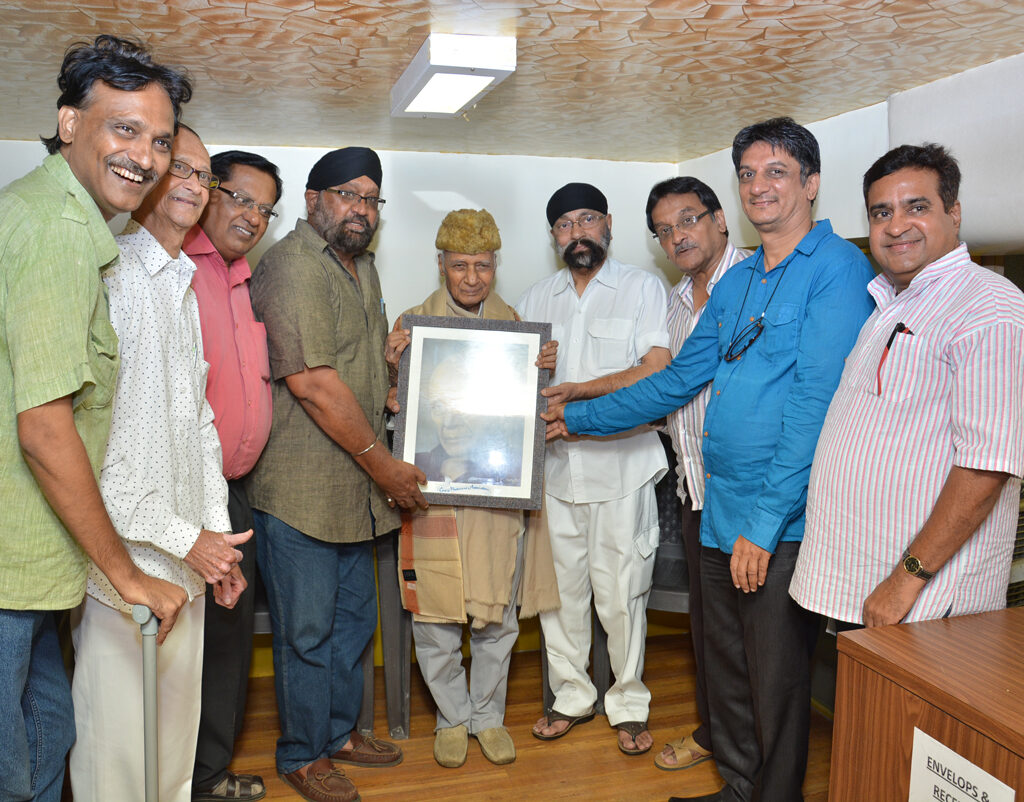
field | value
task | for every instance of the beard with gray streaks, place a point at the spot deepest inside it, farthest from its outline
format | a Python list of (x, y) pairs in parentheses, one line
[(340, 238), (591, 257)]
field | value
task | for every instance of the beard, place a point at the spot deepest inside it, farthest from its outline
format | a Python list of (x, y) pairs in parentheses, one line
[(591, 257), (340, 238)]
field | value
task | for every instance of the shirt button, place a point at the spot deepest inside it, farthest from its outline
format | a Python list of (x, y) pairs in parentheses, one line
[(250, 403), (705, 434), (764, 281), (719, 325), (718, 392), (751, 320), (707, 476)]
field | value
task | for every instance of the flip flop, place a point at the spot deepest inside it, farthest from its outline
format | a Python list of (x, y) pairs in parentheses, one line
[(554, 715), (633, 728)]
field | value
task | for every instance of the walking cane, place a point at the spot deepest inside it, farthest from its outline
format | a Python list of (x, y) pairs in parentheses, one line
[(149, 624)]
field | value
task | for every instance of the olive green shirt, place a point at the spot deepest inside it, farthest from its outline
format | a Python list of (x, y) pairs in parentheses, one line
[(55, 340), (317, 314)]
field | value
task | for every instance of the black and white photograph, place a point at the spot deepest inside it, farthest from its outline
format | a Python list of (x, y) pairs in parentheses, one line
[(469, 395)]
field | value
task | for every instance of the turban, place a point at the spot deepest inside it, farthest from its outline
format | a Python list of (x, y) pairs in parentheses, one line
[(341, 166), (468, 231), (576, 196)]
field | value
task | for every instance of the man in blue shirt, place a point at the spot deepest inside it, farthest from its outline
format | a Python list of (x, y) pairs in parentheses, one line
[(772, 338)]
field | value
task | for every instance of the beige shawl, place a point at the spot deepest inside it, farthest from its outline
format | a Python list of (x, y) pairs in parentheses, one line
[(458, 562)]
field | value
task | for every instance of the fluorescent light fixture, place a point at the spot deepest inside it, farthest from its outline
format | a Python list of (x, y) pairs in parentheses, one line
[(450, 73)]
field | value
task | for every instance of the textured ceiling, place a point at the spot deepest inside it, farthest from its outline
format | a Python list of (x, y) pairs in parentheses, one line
[(613, 79)]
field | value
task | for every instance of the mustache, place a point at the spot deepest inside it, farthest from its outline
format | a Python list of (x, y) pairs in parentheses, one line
[(355, 217), (148, 174)]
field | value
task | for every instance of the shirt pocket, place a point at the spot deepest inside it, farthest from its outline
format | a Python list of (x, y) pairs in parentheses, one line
[(260, 356), (781, 329), (612, 340), (103, 364)]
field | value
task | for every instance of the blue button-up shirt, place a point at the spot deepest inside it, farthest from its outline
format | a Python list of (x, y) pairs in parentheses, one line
[(767, 407)]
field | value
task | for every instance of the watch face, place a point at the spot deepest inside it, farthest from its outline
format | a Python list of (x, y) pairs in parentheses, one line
[(911, 564)]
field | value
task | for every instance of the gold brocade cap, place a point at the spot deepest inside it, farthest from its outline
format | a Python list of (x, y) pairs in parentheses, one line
[(468, 231)]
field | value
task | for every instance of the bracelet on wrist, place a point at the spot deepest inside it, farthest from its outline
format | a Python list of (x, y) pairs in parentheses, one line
[(360, 453)]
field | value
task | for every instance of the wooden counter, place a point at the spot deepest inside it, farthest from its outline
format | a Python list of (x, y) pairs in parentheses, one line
[(960, 680)]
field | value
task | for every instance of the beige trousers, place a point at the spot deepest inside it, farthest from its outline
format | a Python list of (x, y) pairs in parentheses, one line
[(107, 759)]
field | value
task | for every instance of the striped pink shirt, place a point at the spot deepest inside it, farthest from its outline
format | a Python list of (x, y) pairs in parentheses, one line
[(951, 394), (686, 423)]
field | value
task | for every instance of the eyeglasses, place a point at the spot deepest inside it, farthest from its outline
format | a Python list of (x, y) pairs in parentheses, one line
[(664, 232), (245, 202), (585, 221), (748, 333), (182, 170), (371, 201)]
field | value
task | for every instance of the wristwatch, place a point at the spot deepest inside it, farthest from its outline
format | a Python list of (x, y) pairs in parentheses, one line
[(913, 566)]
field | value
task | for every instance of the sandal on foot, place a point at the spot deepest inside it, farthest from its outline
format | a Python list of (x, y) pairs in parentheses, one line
[(633, 729), (240, 787), (554, 715), (688, 753)]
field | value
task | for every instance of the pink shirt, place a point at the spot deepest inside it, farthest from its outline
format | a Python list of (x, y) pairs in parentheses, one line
[(235, 345), (951, 394), (685, 425)]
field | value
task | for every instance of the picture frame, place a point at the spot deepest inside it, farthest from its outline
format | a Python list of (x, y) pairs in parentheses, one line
[(469, 404)]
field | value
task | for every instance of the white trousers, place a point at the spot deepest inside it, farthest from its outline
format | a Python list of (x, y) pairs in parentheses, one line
[(480, 703), (606, 551), (107, 760)]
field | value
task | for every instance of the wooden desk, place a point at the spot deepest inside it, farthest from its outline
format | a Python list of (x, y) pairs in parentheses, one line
[(960, 680)]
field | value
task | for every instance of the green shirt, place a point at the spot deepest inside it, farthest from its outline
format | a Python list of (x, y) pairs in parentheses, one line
[(316, 314), (55, 340)]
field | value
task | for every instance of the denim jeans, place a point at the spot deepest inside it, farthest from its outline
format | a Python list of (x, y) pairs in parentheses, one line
[(35, 708), (323, 609)]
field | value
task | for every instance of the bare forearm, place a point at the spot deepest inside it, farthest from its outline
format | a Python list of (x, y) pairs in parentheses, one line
[(603, 385), (965, 501), (333, 407), (57, 458)]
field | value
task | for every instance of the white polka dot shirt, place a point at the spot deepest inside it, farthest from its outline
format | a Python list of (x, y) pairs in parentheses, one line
[(161, 479)]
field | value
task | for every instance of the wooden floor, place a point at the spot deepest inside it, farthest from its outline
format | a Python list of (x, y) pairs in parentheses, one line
[(584, 765)]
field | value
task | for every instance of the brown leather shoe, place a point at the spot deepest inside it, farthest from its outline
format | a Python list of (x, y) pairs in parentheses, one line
[(369, 752), (324, 782)]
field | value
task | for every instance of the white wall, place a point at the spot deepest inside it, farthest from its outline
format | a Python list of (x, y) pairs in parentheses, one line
[(979, 115), (849, 144), (420, 188)]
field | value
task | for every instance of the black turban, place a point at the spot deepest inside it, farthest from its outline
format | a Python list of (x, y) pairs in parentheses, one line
[(576, 196), (341, 166)]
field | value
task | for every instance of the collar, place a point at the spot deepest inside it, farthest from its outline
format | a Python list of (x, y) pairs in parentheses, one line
[(608, 274), (80, 207), (884, 292), (153, 255), (806, 246), (684, 287), (197, 243)]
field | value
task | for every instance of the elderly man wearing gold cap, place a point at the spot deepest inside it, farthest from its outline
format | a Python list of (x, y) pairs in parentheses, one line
[(497, 561)]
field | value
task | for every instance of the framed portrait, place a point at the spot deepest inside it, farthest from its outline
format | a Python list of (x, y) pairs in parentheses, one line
[(469, 397)]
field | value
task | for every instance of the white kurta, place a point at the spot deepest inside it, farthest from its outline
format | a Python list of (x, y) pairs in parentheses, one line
[(602, 513)]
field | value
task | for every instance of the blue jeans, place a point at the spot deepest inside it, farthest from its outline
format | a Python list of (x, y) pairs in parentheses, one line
[(323, 609), (35, 708)]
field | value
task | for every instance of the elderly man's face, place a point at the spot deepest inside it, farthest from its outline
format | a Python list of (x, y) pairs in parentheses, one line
[(177, 203), (348, 226), (468, 277), (694, 248), (909, 225), (582, 237), (234, 230), (119, 144), (454, 422)]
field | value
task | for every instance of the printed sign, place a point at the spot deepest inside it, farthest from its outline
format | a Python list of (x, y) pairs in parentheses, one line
[(938, 774)]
